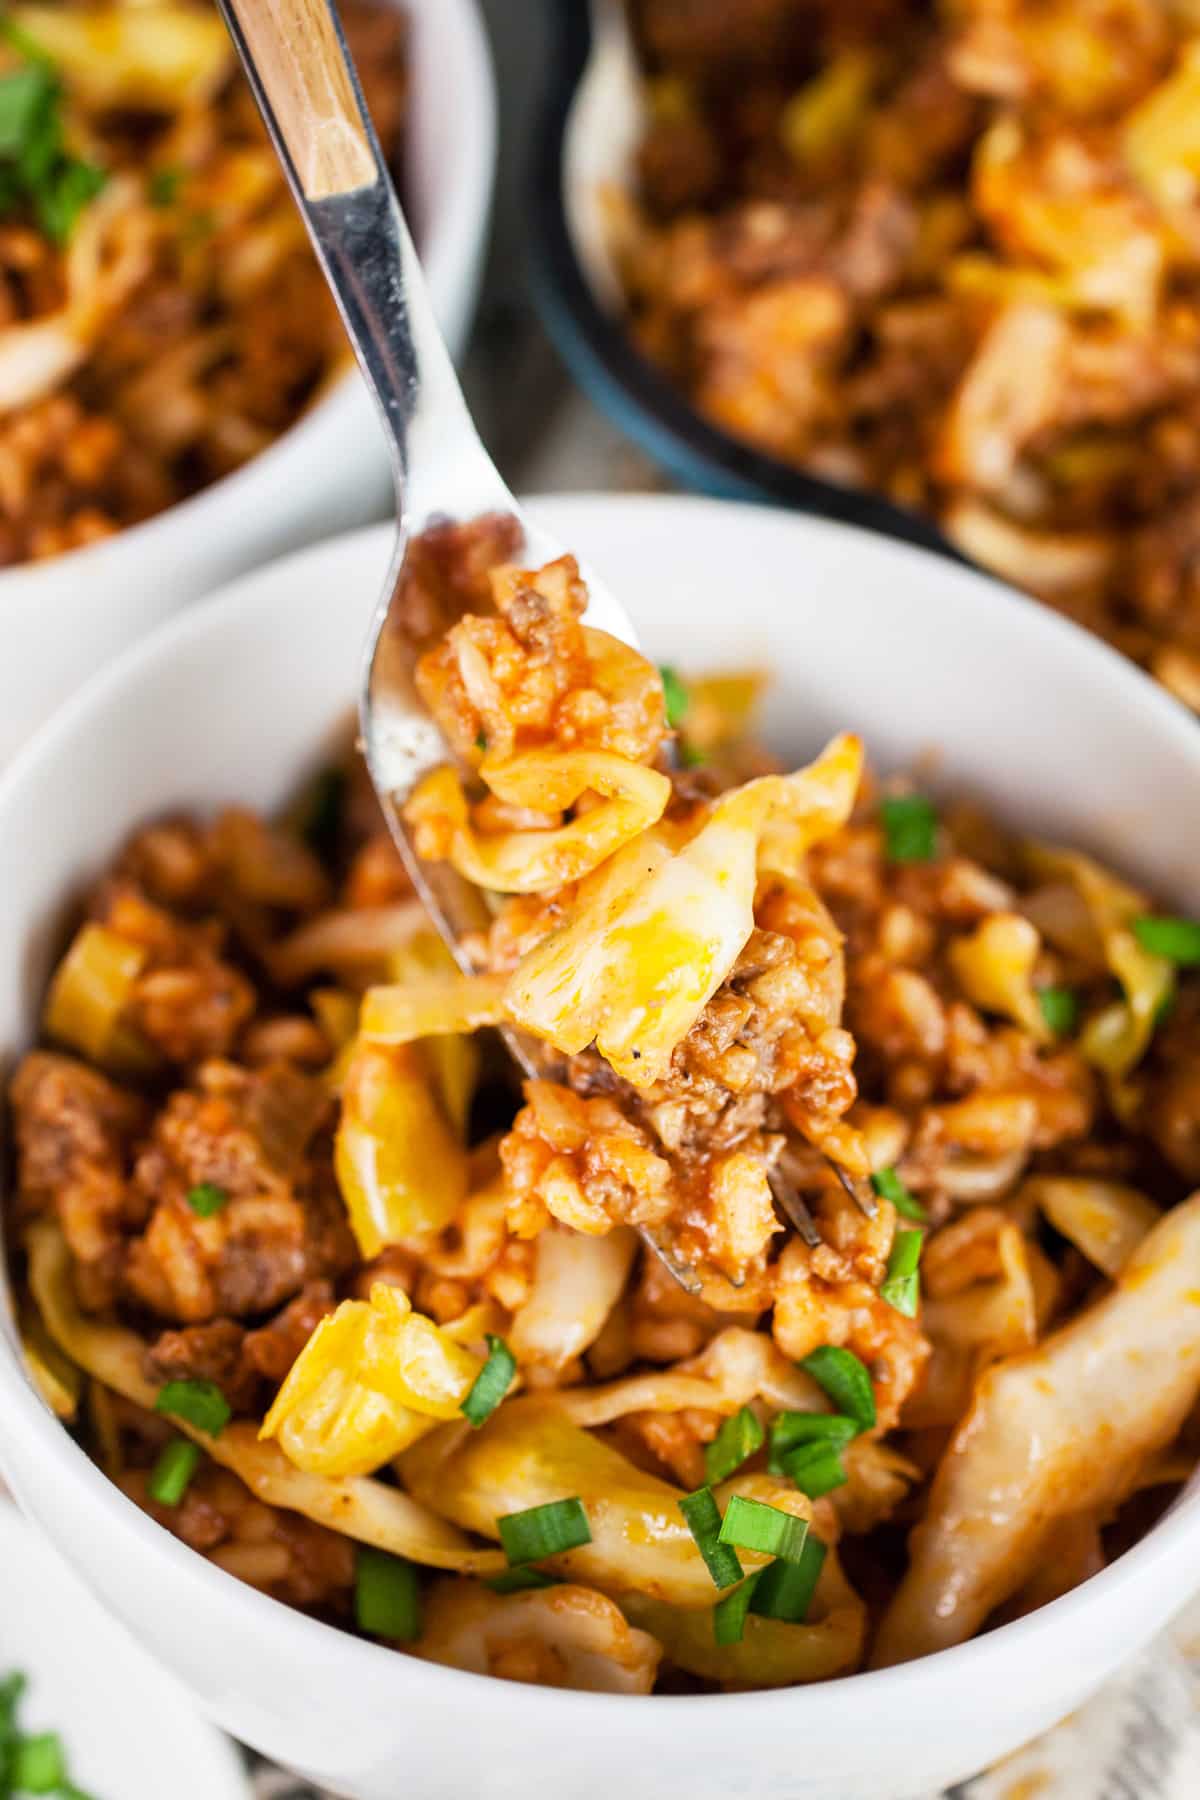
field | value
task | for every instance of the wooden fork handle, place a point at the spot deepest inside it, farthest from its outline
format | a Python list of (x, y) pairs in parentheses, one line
[(305, 79)]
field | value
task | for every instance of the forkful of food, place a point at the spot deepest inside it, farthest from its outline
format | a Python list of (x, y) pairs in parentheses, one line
[(648, 944)]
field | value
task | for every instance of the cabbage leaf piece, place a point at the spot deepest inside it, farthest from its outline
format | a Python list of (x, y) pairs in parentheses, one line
[(401, 1169), (371, 1512), (563, 1636), (1116, 1038), (771, 1653), (648, 947), (1065, 1428), (373, 1377), (533, 860), (528, 1453)]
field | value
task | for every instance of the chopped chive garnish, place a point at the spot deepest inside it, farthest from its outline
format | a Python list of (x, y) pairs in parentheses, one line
[(845, 1380), (11, 1689), (798, 1430), (703, 1517), (753, 1525), (512, 1581), (387, 1595), (815, 1468), (38, 1764), (785, 1589), (544, 1530), (690, 757), (903, 1294), (888, 1186), (164, 185), (491, 1383), (729, 1614), (910, 828), (201, 1403), (675, 697), (206, 1199), (901, 1287), (36, 171), (173, 1471), (481, 741), (1060, 1008), (738, 1438), (1176, 939), (1166, 1005)]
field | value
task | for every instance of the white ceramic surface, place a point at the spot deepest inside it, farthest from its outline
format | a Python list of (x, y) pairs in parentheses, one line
[(61, 620), (228, 703), (129, 1730)]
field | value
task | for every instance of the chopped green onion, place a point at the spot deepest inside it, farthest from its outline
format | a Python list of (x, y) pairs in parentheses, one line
[(11, 1689), (1060, 1009), (901, 1288), (512, 1581), (753, 1525), (491, 1383), (910, 828), (38, 1764), (795, 1430), (888, 1186), (738, 1438), (676, 699), (36, 171), (690, 757), (201, 1403), (845, 1380), (785, 1589), (1176, 939), (703, 1517), (387, 1595), (65, 195), (173, 1471), (903, 1294), (815, 1468), (27, 97), (1166, 1005), (729, 1614), (544, 1530), (206, 1199), (164, 185)]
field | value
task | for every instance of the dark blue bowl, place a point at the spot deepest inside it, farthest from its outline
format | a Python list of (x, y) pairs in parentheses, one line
[(613, 372)]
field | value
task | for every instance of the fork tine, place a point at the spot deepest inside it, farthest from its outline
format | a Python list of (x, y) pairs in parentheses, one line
[(682, 1272), (862, 1197), (788, 1199)]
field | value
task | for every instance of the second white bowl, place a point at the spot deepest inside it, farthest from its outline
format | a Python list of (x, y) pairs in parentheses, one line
[(62, 619)]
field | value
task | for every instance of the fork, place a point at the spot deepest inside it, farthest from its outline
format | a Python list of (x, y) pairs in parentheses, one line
[(303, 78)]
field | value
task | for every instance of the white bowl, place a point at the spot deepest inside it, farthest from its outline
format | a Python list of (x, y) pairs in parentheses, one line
[(62, 619), (230, 703)]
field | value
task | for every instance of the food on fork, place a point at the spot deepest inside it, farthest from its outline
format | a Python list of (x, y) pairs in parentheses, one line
[(373, 1331)]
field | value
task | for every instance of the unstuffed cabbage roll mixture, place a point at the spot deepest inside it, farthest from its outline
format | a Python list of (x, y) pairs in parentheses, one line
[(162, 318), (364, 1323), (948, 250)]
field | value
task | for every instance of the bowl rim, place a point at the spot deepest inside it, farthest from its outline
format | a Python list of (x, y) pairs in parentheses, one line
[(452, 238), (48, 1440), (626, 385)]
